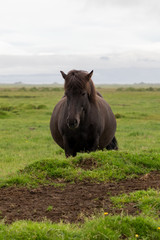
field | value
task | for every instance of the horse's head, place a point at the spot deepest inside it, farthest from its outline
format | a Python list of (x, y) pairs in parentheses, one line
[(79, 91)]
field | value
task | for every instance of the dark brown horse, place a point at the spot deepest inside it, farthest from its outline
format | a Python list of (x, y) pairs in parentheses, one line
[(82, 121)]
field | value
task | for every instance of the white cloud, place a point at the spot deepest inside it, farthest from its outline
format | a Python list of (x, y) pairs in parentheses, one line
[(71, 27), (50, 34)]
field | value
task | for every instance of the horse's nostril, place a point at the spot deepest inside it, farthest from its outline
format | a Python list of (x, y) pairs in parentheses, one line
[(72, 123), (75, 122)]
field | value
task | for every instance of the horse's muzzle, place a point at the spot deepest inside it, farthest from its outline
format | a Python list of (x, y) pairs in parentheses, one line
[(72, 123)]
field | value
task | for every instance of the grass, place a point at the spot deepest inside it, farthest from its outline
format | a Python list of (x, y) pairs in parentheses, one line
[(147, 201), (137, 131), (29, 157), (104, 227), (49, 208)]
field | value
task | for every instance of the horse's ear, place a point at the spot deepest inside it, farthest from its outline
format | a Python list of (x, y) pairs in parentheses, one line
[(89, 75), (63, 74)]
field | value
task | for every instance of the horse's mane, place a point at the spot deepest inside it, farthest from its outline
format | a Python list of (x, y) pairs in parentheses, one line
[(77, 81)]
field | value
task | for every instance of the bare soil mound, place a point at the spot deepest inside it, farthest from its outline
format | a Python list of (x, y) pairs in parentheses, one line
[(73, 202)]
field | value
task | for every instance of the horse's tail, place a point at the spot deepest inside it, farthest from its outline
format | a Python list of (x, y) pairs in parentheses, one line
[(113, 145)]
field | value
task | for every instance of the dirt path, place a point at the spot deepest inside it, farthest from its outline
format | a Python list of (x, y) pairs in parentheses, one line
[(71, 203)]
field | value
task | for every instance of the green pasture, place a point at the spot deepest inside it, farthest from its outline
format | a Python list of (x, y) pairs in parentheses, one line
[(29, 156)]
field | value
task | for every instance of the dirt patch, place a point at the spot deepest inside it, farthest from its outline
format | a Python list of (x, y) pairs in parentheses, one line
[(72, 203), (87, 164)]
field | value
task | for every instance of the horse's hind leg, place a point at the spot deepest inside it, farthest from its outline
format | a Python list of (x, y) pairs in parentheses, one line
[(113, 145)]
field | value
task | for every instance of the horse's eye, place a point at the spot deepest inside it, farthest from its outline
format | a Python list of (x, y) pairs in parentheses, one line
[(83, 94)]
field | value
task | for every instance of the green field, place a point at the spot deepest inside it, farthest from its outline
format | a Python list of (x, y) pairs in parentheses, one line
[(29, 157)]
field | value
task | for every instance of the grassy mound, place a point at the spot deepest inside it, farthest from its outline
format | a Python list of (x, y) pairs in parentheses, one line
[(96, 166)]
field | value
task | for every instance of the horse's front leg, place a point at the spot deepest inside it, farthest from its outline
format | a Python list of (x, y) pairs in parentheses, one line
[(95, 144), (69, 150), (70, 153)]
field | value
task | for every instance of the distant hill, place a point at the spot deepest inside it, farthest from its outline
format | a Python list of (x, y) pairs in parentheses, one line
[(101, 76)]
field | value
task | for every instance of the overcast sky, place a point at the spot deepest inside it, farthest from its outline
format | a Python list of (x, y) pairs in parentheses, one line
[(45, 36)]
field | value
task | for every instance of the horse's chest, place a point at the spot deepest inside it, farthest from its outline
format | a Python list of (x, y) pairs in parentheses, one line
[(78, 136), (81, 139)]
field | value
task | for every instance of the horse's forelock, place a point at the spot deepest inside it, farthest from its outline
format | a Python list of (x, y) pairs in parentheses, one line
[(75, 80)]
